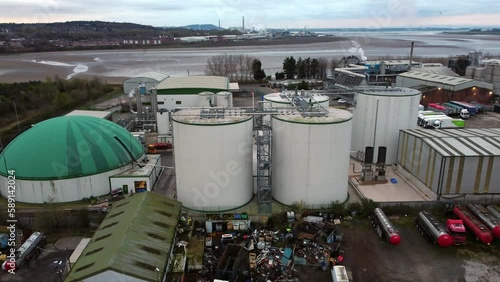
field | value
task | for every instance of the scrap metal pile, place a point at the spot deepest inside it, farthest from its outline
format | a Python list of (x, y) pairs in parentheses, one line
[(272, 255)]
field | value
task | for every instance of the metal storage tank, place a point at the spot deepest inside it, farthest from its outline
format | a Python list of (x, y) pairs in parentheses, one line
[(206, 99), (213, 160), (379, 114), (67, 158), (224, 99), (277, 101), (311, 157)]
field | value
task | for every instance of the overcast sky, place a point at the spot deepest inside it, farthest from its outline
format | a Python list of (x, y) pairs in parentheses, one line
[(286, 14)]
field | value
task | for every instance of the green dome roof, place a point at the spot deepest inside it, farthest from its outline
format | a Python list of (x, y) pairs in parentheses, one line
[(68, 147)]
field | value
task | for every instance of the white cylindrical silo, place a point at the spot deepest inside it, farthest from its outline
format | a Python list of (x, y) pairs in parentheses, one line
[(206, 99), (311, 158), (224, 99), (213, 160), (379, 114)]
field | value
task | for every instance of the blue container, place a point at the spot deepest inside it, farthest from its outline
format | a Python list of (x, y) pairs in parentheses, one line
[(4, 240), (394, 180)]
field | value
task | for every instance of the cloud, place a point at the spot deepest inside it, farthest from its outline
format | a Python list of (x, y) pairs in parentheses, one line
[(293, 13)]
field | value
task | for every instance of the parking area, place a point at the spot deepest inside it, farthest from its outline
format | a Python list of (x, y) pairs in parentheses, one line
[(484, 120), (416, 258)]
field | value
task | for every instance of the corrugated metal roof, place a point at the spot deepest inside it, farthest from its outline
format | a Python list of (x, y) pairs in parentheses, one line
[(214, 82), (458, 83), (438, 70), (97, 114), (134, 239), (460, 142), (151, 74)]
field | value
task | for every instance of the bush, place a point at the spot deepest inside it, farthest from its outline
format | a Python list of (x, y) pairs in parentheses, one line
[(338, 208), (367, 207)]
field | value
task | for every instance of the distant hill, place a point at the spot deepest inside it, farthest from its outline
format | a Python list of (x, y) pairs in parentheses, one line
[(203, 27)]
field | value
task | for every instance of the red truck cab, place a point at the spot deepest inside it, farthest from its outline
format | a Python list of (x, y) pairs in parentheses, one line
[(457, 231)]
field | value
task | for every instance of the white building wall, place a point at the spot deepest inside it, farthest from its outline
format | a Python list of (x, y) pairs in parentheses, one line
[(163, 120), (118, 182), (65, 190), (169, 101)]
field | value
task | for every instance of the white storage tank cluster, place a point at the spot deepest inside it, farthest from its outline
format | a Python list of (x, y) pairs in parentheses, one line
[(277, 101), (213, 160), (311, 157), (206, 99), (379, 114), (224, 99)]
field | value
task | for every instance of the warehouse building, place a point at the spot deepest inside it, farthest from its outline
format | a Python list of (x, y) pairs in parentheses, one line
[(437, 88), (488, 71), (69, 158), (177, 92), (190, 91), (149, 79), (135, 242), (452, 162)]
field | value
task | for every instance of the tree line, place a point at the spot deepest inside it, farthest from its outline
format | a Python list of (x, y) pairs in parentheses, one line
[(304, 68), (244, 68), (241, 68), (35, 101)]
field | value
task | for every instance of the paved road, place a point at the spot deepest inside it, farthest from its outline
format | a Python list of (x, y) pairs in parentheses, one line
[(166, 183)]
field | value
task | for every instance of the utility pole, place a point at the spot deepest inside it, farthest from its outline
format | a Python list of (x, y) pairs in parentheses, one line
[(17, 117)]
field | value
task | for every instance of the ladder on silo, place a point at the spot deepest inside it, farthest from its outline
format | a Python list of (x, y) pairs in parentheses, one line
[(264, 198)]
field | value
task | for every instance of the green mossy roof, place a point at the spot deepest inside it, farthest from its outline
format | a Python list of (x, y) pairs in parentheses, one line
[(69, 147)]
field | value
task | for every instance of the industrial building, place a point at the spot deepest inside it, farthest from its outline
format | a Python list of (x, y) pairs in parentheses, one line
[(140, 178), (75, 158), (311, 158), (441, 89), (181, 92), (134, 242), (148, 79), (379, 114), (451, 162), (488, 71), (192, 91)]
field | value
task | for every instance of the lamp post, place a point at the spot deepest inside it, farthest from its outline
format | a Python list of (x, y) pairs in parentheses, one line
[(157, 274)]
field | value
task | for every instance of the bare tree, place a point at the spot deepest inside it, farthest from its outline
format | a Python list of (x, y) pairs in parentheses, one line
[(236, 67), (333, 65), (322, 67)]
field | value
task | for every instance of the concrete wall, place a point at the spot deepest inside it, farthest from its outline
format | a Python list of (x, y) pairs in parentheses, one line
[(64, 190), (169, 102), (448, 175), (420, 160), (471, 175), (442, 96)]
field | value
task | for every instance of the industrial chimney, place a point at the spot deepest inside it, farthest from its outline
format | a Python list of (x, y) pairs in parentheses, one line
[(380, 166), (367, 172)]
